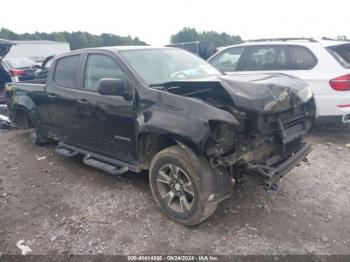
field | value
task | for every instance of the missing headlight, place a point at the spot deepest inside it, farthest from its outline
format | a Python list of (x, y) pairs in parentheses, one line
[(222, 132)]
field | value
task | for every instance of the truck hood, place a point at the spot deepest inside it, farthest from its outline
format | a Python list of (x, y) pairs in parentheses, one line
[(5, 47), (267, 93)]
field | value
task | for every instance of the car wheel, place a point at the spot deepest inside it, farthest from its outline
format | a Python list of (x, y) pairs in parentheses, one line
[(36, 139), (182, 185)]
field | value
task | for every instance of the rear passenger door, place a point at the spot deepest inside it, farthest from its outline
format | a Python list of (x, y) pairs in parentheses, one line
[(301, 63), (265, 58), (62, 96)]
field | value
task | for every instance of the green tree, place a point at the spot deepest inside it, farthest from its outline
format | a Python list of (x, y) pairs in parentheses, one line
[(187, 34), (219, 39)]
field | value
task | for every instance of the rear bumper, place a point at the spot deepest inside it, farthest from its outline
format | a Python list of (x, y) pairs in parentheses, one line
[(273, 174), (335, 107)]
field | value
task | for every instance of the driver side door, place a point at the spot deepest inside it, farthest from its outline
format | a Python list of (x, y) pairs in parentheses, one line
[(108, 121)]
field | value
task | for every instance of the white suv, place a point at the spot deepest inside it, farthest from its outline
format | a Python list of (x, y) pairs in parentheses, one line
[(324, 64)]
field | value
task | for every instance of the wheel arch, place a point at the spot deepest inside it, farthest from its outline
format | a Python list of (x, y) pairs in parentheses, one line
[(22, 118), (150, 143)]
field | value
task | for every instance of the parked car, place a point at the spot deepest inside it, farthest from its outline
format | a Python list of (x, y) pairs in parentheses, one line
[(14, 69), (203, 49), (5, 76), (23, 68), (168, 111), (323, 64)]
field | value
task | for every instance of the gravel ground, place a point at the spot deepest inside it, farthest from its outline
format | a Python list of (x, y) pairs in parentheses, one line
[(60, 206)]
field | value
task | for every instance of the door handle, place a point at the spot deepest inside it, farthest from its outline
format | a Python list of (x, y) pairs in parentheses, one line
[(51, 95)]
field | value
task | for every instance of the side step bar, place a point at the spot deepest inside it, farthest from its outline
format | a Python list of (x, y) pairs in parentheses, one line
[(106, 164), (67, 152), (88, 160)]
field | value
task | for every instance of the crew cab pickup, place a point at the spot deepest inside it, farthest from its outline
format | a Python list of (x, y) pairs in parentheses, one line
[(165, 110)]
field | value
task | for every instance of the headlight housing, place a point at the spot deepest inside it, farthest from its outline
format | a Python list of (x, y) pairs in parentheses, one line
[(222, 132)]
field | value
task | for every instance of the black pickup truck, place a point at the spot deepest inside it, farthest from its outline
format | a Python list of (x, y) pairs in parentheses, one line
[(165, 110)]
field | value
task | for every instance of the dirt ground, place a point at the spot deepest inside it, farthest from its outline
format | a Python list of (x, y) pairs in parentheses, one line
[(60, 206)]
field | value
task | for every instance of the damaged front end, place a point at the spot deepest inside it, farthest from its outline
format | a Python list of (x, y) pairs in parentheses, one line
[(269, 142), (274, 113), (268, 145)]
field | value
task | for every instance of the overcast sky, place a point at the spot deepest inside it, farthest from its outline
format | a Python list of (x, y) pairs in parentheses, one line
[(154, 21)]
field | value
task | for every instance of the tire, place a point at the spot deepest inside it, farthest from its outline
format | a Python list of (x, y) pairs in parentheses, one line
[(37, 139), (183, 185)]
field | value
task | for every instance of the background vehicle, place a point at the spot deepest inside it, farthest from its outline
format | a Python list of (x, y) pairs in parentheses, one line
[(5, 75), (203, 49), (22, 68), (323, 64), (37, 50), (17, 69), (168, 111)]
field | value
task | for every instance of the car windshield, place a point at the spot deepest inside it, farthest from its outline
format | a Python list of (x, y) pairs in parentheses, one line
[(341, 53), (18, 63), (157, 66)]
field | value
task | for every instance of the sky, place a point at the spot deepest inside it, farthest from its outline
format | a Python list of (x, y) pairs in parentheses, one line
[(154, 21)]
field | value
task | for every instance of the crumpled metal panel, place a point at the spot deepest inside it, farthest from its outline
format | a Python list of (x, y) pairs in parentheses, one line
[(265, 93)]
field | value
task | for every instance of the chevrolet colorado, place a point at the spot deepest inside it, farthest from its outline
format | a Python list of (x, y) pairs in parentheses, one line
[(165, 110)]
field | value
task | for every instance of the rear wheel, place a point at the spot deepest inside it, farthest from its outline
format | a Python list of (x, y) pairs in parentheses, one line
[(37, 139), (182, 184)]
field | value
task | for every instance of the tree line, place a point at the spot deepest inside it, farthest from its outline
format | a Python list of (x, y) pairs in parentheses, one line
[(79, 39), (76, 40), (188, 34)]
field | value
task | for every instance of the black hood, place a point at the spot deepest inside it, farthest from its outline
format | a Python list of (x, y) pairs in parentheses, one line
[(256, 92), (5, 47), (266, 92)]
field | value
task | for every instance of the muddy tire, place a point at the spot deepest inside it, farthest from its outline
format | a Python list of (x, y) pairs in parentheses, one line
[(37, 139), (183, 185)]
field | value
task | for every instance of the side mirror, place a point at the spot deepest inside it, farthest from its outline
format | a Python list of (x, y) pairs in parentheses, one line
[(111, 87)]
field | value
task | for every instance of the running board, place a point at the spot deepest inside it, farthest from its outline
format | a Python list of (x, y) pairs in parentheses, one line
[(107, 164), (65, 151), (109, 168)]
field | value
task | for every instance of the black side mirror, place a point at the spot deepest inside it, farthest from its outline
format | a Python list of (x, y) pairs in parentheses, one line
[(111, 87)]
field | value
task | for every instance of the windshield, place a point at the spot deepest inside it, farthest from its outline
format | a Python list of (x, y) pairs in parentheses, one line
[(157, 66), (341, 53), (18, 63)]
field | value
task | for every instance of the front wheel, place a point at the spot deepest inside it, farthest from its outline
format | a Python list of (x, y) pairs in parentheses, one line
[(182, 185)]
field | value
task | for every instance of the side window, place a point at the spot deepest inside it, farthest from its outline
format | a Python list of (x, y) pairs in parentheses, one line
[(261, 58), (282, 61), (228, 60), (98, 67), (301, 58), (66, 71)]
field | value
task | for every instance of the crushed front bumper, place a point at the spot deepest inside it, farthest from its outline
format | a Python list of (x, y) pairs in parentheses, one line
[(273, 174)]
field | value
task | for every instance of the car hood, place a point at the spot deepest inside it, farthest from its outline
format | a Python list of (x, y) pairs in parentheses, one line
[(5, 47), (266, 93)]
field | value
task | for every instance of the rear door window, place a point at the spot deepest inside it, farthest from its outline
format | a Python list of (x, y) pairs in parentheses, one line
[(301, 58), (66, 71), (341, 53), (228, 60), (261, 58)]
